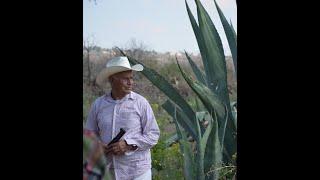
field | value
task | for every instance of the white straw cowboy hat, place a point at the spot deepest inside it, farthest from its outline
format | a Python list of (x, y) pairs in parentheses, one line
[(116, 65)]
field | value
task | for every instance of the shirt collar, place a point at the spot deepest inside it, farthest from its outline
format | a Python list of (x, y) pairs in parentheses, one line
[(131, 96)]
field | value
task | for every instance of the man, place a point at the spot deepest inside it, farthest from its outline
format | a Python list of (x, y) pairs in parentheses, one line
[(130, 158)]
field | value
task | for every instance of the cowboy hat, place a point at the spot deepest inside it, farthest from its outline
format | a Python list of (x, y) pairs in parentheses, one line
[(116, 65)]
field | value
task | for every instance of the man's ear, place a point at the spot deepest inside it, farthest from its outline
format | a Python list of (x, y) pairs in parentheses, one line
[(110, 79)]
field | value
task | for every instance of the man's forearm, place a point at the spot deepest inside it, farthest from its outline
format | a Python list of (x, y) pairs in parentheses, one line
[(143, 141)]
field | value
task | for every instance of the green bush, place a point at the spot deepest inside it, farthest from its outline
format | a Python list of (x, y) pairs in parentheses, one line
[(167, 162)]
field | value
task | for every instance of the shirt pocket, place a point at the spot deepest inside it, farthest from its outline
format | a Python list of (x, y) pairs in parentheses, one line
[(129, 119)]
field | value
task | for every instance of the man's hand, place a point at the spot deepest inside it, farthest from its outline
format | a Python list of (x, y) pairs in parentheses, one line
[(118, 148)]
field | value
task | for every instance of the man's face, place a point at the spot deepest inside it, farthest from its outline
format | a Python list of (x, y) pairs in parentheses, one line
[(122, 82)]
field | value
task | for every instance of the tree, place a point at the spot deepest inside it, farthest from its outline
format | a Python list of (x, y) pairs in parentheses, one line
[(88, 47), (137, 49)]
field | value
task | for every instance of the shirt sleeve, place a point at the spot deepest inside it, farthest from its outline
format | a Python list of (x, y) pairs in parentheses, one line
[(91, 123), (150, 130)]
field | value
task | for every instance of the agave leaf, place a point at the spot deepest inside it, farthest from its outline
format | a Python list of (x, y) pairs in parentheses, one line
[(206, 134), (186, 150), (224, 129), (200, 76), (233, 31), (189, 123), (197, 104), (218, 65), (203, 50), (234, 112), (217, 75), (185, 147), (230, 34), (181, 117), (213, 154), (213, 104), (210, 100), (172, 139), (235, 37), (202, 117), (206, 18)]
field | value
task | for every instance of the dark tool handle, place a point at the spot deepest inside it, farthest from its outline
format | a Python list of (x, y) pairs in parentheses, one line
[(117, 138)]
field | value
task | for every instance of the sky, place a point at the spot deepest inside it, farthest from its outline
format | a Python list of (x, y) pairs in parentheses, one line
[(160, 25)]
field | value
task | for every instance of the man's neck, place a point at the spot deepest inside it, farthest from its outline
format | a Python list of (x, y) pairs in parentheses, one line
[(117, 96)]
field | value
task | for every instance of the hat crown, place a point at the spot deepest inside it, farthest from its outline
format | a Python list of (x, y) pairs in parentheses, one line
[(119, 61), (116, 65)]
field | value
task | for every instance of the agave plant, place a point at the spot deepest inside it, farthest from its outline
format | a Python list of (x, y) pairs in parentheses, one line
[(215, 144)]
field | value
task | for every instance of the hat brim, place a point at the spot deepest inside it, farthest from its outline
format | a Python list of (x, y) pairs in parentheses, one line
[(107, 72)]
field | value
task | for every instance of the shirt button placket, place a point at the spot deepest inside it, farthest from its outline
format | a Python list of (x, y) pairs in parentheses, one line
[(115, 110)]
